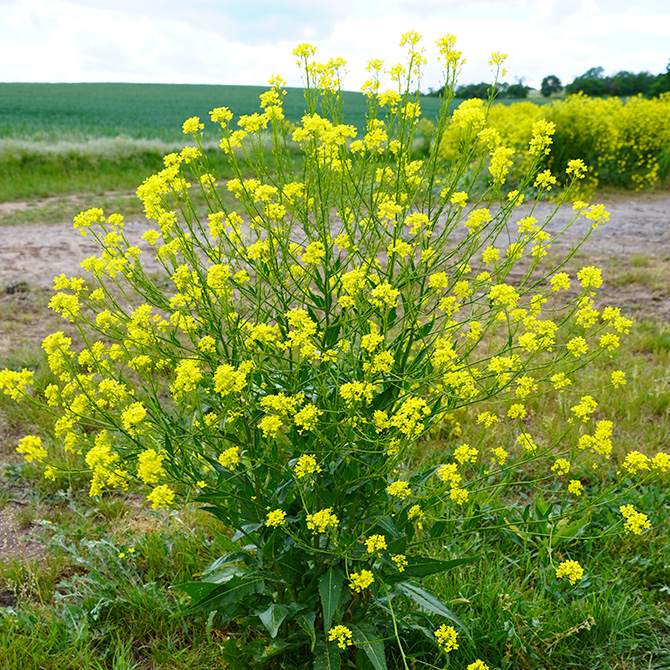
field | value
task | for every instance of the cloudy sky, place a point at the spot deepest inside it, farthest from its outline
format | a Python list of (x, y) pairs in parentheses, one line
[(247, 41)]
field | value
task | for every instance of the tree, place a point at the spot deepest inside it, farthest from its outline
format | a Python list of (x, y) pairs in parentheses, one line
[(661, 84), (592, 82), (631, 83), (468, 91), (517, 90), (550, 84)]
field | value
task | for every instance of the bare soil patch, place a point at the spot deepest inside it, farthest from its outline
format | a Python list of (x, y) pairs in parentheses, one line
[(638, 226)]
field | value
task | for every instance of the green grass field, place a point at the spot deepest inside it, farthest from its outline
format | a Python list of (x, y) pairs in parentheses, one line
[(59, 139), (57, 112)]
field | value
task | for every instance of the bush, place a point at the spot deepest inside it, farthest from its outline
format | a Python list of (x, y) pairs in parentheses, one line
[(306, 342), (623, 143)]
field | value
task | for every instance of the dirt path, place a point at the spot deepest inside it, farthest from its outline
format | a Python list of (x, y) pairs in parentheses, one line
[(36, 253)]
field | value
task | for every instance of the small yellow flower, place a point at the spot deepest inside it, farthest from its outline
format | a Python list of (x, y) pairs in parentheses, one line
[(571, 570), (399, 490), (376, 544), (161, 496), (561, 466), (401, 561), (634, 522), (618, 378), (306, 466), (446, 638), (465, 454), (192, 126), (359, 581), (276, 518), (342, 635), (229, 458), (322, 521), (575, 487)]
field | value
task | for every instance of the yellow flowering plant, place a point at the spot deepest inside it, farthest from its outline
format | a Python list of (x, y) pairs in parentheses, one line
[(302, 341)]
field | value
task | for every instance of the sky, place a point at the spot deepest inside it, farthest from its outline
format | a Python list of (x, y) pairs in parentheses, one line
[(247, 41)]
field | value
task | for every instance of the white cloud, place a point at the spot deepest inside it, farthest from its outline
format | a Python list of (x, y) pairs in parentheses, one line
[(215, 41)]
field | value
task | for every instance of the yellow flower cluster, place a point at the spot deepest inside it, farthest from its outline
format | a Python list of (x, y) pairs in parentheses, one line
[(322, 521), (161, 496), (150, 466), (276, 518), (571, 570), (306, 466), (376, 544), (446, 638), (342, 635), (359, 581), (399, 489), (634, 522), (14, 384), (229, 458), (31, 448), (615, 140)]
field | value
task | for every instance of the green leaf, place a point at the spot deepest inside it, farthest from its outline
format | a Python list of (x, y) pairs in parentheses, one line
[(422, 566), (367, 638), (231, 557), (438, 529), (196, 590), (541, 506), (225, 574), (330, 589), (326, 656), (306, 622), (429, 602), (234, 590), (273, 617), (384, 522), (569, 531), (246, 530)]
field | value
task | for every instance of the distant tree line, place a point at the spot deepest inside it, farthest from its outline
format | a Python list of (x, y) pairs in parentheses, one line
[(593, 82), (482, 90)]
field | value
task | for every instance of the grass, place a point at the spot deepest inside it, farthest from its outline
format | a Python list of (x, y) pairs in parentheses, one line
[(61, 139), (53, 112), (103, 596)]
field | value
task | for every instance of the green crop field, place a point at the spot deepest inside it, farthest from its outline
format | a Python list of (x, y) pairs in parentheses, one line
[(59, 139), (53, 112)]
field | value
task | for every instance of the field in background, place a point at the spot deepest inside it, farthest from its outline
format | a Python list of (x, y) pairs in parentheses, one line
[(56, 112), (58, 139)]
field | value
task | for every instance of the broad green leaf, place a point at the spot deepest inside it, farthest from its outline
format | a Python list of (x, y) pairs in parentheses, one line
[(385, 523), (569, 531), (225, 574), (246, 530), (429, 602), (541, 506), (330, 589), (437, 529), (235, 590), (366, 637), (326, 656), (421, 566), (273, 617), (306, 622), (231, 557), (196, 590)]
